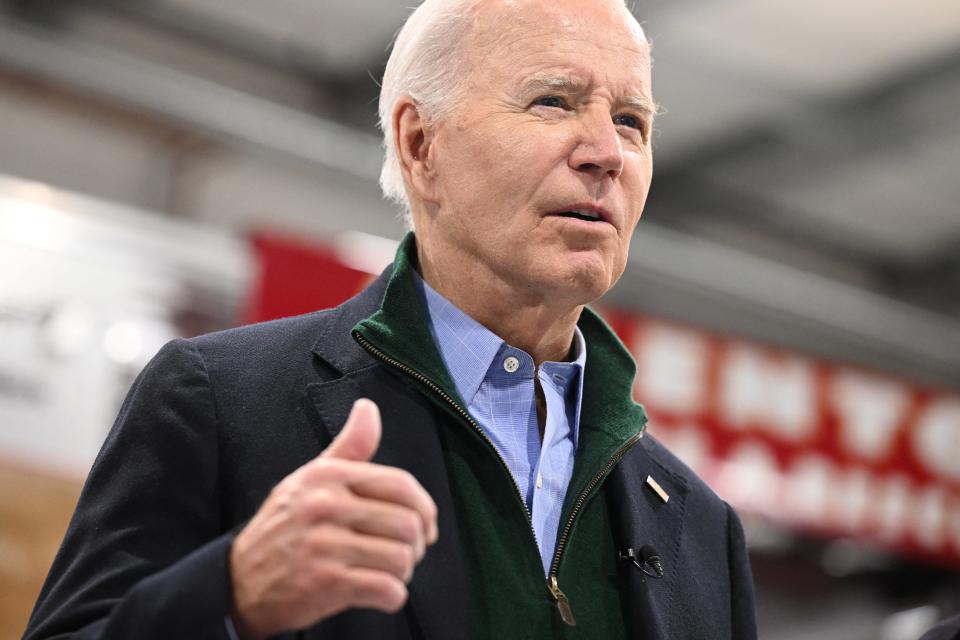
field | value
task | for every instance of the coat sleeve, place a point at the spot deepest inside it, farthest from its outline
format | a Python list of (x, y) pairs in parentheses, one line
[(145, 555), (742, 605)]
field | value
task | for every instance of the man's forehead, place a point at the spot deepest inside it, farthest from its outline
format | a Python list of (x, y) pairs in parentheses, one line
[(502, 19)]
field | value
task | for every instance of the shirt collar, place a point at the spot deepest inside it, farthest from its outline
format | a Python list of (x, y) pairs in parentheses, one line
[(468, 348), (399, 331)]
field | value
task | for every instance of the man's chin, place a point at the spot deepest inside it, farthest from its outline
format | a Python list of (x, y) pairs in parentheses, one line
[(578, 281)]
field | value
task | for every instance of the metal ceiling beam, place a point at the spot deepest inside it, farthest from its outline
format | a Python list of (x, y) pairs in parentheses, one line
[(934, 283), (849, 123), (216, 110), (877, 120), (670, 274), (693, 203), (689, 279)]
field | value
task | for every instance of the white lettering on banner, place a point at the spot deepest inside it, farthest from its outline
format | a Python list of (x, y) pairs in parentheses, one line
[(776, 394), (672, 369), (893, 503), (759, 442), (749, 477), (740, 384), (815, 490), (807, 488), (869, 409), (929, 517), (689, 442), (851, 498), (936, 438)]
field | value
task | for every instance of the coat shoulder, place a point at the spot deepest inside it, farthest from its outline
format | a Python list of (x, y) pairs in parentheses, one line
[(264, 339), (696, 488)]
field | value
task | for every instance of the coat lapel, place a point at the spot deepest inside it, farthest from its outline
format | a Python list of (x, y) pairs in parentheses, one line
[(642, 517), (438, 590)]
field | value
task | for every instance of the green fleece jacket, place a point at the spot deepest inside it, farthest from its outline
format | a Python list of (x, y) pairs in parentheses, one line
[(509, 594)]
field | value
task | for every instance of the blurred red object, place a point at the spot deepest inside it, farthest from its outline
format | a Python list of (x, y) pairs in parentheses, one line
[(295, 276)]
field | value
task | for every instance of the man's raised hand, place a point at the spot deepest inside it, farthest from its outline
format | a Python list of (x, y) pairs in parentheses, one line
[(338, 532)]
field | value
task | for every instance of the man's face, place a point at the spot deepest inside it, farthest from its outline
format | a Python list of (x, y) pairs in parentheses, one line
[(555, 119)]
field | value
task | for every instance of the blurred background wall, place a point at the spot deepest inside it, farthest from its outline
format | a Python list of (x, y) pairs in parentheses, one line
[(793, 295)]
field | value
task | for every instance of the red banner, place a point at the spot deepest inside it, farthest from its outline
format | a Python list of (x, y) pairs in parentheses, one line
[(295, 277), (828, 448), (819, 446)]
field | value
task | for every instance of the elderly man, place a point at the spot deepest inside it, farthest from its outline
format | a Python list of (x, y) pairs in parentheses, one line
[(250, 486)]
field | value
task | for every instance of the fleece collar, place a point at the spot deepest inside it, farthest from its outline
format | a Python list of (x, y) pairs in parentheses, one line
[(399, 329)]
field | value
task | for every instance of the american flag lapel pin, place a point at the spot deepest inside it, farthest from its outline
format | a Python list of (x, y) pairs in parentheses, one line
[(657, 489)]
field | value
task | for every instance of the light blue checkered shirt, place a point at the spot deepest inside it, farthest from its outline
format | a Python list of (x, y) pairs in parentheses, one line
[(497, 383)]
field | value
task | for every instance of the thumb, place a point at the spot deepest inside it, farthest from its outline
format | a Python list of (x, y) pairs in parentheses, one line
[(360, 436)]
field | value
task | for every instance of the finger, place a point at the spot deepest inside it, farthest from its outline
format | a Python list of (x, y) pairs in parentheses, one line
[(374, 589), (360, 436), (371, 517), (331, 543), (402, 489), (377, 482)]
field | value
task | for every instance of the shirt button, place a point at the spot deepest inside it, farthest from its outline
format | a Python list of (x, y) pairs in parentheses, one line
[(510, 364), (539, 481)]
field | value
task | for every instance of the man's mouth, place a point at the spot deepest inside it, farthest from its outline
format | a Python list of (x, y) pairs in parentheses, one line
[(587, 213), (582, 214)]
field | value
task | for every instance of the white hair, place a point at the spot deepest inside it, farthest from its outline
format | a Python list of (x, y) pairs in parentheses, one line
[(426, 64)]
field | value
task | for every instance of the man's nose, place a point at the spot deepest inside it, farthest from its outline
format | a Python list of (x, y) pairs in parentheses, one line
[(599, 149)]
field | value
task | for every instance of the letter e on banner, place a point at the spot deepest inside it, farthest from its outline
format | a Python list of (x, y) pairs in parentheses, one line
[(936, 438)]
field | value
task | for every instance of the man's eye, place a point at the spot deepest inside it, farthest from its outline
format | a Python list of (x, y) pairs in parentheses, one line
[(628, 121), (551, 101)]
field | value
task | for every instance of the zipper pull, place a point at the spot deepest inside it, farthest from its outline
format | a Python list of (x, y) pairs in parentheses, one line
[(563, 605)]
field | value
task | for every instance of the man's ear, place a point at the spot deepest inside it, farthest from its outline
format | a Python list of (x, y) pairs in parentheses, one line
[(412, 139)]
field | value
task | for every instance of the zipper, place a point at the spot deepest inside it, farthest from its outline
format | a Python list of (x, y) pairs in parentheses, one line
[(563, 603), (561, 600), (416, 375)]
